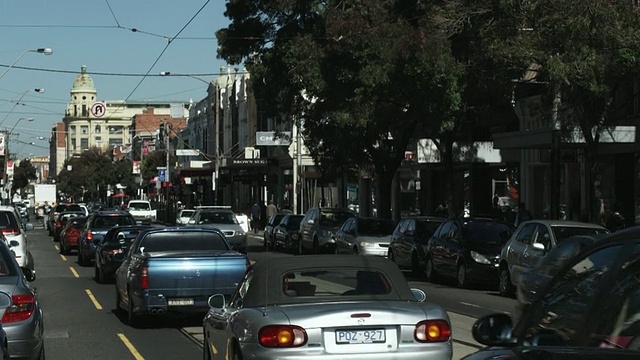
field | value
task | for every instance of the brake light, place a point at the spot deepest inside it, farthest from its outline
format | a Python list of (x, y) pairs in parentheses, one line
[(22, 308), (11, 232), (89, 236), (58, 224), (432, 331), (274, 336), (144, 278)]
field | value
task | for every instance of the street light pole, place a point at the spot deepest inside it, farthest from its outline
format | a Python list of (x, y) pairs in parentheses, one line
[(46, 51), (39, 90), (9, 181)]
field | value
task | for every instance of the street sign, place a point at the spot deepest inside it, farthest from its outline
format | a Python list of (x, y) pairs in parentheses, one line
[(162, 174), (98, 109)]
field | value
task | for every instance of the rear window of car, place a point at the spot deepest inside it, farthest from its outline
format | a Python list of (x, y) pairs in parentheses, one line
[(489, 232), (182, 241), (8, 220), (425, 228), (334, 218), (565, 232), (186, 213), (78, 222), (68, 207), (109, 221), (217, 217), (139, 206), (336, 283)]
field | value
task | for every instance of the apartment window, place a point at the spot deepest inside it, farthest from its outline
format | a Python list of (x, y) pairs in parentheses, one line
[(97, 130), (84, 129), (98, 140), (115, 130), (84, 143), (84, 110), (115, 142), (72, 130)]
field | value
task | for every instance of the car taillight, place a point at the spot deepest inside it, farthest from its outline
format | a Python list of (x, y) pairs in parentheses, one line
[(22, 308), (432, 331), (11, 232), (89, 236), (273, 336), (144, 278), (58, 224)]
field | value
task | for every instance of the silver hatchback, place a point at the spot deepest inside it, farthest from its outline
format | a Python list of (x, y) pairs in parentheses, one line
[(531, 242), (223, 219), (23, 320)]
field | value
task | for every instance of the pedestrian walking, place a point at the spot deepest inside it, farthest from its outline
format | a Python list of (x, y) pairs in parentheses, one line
[(271, 209), (256, 212), (522, 215)]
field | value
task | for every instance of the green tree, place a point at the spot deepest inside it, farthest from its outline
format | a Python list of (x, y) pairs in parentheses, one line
[(23, 174), (362, 77), (584, 50)]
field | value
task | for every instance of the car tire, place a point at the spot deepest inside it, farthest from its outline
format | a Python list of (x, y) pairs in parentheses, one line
[(461, 276), (505, 285), (316, 246), (391, 256), (41, 355), (131, 317), (430, 270), (206, 352), (98, 275), (415, 265), (80, 258), (355, 251)]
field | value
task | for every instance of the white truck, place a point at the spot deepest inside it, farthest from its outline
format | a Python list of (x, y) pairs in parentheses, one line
[(44, 196), (141, 211)]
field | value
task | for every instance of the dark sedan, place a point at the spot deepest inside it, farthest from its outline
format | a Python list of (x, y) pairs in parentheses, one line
[(94, 230), (112, 249), (287, 231), (467, 250), (409, 240), (268, 233), (589, 310)]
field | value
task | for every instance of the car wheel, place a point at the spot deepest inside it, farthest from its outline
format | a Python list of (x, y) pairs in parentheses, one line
[(415, 265), (41, 355), (391, 256), (80, 259), (355, 251), (461, 276), (131, 317), (505, 286), (429, 270), (206, 353), (316, 246), (235, 353), (266, 243), (287, 244)]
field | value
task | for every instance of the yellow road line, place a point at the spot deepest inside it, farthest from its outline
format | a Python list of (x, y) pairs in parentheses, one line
[(64, 258), (93, 298), (74, 272), (130, 346)]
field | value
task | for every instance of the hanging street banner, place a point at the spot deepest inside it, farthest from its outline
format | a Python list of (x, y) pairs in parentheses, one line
[(10, 168), (145, 148)]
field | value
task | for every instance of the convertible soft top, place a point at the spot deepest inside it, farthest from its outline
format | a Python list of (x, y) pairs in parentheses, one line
[(266, 286)]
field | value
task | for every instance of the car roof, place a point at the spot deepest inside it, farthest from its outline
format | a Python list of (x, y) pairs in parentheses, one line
[(111, 213), (269, 272), (567, 223)]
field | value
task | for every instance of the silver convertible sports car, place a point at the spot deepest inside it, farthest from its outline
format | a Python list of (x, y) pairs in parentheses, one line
[(325, 307)]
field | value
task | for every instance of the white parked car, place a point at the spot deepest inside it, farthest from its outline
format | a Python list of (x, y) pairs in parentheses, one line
[(15, 233), (183, 216), (244, 221)]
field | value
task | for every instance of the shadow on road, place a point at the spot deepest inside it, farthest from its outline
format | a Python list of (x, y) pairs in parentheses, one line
[(170, 320)]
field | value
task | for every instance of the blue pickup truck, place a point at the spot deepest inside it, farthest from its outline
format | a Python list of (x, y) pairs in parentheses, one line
[(176, 269)]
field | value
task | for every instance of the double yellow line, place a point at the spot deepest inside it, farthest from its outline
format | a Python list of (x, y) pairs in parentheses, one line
[(123, 338)]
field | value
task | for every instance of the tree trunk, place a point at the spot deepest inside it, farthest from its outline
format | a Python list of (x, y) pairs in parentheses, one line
[(384, 191)]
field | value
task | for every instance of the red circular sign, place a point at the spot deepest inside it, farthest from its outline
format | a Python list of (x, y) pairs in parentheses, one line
[(98, 109)]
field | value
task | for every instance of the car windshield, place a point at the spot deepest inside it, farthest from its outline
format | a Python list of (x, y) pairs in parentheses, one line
[(335, 283), (294, 221), (186, 213), (107, 222), (334, 218), (139, 206), (217, 217), (426, 229), (489, 232), (78, 222), (564, 232), (68, 207), (375, 227), (182, 241)]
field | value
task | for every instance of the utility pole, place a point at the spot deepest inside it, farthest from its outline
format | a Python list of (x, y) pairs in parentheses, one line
[(216, 174), (167, 143)]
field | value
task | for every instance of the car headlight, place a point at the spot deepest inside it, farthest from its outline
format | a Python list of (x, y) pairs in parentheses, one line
[(365, 244), (479, 258)]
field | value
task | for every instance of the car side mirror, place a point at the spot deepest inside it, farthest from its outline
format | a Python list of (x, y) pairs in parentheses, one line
[(539, 246), (29, 226), (217, 301), (419, 294), (29, 274), (493, 330)]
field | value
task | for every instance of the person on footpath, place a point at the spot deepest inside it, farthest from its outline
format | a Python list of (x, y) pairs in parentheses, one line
[(271, 209)]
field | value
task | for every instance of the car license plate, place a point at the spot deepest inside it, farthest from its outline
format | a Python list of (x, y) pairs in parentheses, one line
[(360, 336), (180, 302)]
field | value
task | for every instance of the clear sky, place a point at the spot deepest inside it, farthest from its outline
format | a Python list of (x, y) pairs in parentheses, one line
[(97, 33)]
